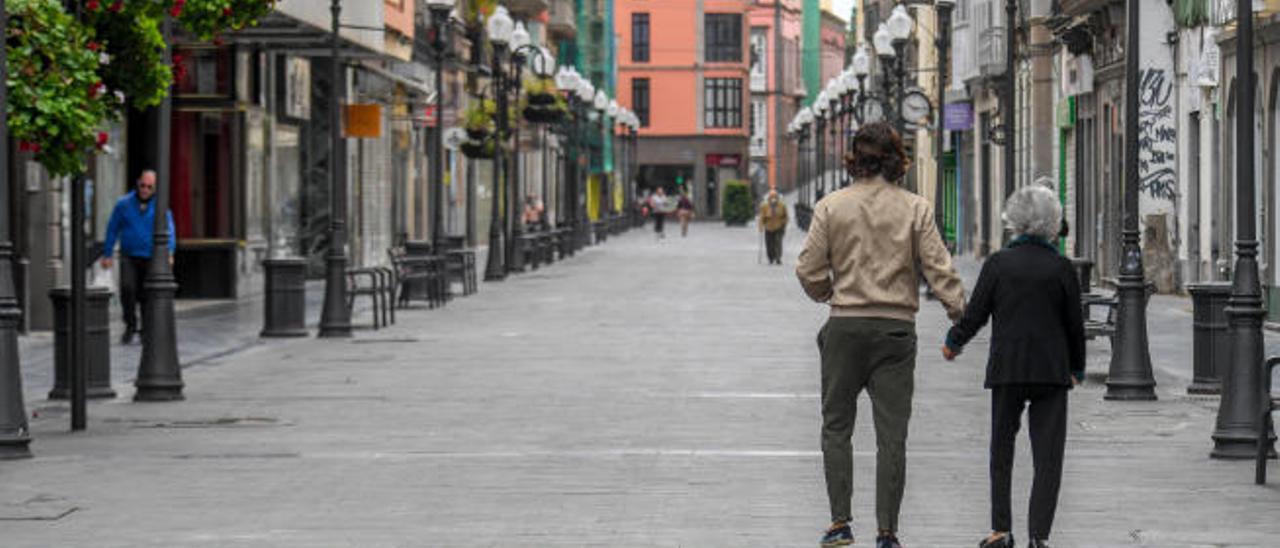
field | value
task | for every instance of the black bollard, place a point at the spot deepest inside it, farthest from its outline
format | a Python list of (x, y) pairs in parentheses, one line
[(284, 306), (97, 343), (1211, 343)]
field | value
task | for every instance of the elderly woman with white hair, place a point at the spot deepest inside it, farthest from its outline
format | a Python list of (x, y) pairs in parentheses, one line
[(1032, 296)]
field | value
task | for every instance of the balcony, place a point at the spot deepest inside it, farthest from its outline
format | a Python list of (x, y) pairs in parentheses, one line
[(991, 61), (562, 24)]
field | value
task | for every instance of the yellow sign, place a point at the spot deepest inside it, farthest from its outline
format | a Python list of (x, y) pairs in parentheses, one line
[(363, 121)]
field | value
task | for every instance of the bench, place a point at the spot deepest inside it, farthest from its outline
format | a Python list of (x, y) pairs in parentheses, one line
[(375, 283), (1268, 405), (1107, 326), (460, 263), (409, 271)]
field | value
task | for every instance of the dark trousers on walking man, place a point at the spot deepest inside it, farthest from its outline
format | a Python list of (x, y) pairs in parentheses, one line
[(133, 273), (773, 245)]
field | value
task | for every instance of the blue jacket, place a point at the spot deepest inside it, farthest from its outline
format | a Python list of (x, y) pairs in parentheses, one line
[(134, 227)]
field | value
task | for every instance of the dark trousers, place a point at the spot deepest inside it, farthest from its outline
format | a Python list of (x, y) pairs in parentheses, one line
[(877, 354), (1047, 425), (133, 271), (773, 245), (658, 218)]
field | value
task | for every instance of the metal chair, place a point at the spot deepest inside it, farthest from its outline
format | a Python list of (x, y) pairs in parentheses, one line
[(1268, 405)]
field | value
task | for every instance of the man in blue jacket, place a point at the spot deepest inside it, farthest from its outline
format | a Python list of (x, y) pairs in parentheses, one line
[(133, 222)]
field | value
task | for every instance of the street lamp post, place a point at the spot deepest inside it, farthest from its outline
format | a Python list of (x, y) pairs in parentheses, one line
[(335, 317), (900, 25), (15, 435), (819, 145), (1240, 419), (440, 23), (1130, 376), (500, 27), (520, 47), (1008, 114), (883, 42), (943, 12), (159, 373)]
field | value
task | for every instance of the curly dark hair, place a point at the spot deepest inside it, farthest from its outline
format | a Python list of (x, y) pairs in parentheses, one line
[(877, 150)]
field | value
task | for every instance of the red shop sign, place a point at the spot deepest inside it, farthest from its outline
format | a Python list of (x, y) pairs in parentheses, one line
[(724, 160)]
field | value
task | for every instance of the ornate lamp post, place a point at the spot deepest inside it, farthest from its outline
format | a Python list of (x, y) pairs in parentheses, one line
[(521, 47), (586, 93), (900, 25), (883, 42), (440, 47), (943, 11), (819, 109), (1240, 420), (567, 80), (1130, 376), (14, 433), (335, 317), (159, 373), (500, 28)]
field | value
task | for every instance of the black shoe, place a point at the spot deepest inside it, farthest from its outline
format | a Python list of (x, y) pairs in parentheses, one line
[(1005, 541), (837, 535), (127, 337), (887, 540), (1039, 543)]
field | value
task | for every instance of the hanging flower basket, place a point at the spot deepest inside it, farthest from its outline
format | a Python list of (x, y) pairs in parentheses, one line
[(541, 98), (543, 114), (478, 150)]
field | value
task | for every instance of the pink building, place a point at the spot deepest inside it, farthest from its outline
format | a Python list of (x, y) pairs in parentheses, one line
[(834, 33), (777, 88), (683, 68)]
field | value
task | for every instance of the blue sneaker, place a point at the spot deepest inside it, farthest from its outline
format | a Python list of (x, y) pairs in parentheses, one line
[(839, 534), (887, 540)]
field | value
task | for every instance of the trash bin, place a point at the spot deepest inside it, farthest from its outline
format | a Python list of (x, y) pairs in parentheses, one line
[(97, 343), (284, 308), (1211, 338)]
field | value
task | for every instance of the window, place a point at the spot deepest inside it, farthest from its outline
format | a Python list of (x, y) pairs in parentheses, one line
[(640, 37), (640, 100), (723, 37), (722, 101), (759, 58)]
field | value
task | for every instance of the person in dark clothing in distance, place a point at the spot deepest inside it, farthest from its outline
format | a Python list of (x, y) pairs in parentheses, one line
[(132, 223), (1032, 295)]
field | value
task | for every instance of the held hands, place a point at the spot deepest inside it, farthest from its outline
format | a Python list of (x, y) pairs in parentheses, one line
[(948, 353), (106, 263)]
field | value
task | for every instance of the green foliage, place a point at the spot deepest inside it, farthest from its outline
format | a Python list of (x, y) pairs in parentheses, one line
[(135, 48), (738, 203), (479, 115), (57, 100)]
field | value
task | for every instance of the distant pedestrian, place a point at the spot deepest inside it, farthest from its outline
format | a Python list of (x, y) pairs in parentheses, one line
[(684, 212), (132, 223), (658, 208), (1032, 295), (773, 223), (533, 210), (865, 248)]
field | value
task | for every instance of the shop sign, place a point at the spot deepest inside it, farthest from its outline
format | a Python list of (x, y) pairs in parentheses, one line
[(363, 121), (724, 160), (958, 116)]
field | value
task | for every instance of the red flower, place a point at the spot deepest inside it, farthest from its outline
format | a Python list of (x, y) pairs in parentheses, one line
[(101, 141), (93, 46), (93, 5), (24, 146), (217, 40), (69, 145), (176, 10), (226, 12), (116, 6), (96, 89)]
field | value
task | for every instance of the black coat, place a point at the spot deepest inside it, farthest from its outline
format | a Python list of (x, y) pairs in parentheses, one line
[(1037, 332)]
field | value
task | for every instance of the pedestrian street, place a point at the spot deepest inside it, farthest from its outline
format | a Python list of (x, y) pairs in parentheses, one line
[(643, 393)]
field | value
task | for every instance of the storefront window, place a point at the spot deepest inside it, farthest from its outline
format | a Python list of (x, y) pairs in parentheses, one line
[(285, 188)]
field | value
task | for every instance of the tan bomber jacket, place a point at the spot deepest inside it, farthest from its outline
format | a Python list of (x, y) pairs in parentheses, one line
[(862, 250)]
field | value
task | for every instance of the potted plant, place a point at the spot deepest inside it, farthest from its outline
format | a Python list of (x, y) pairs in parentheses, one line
[(478, 119), (479, 150), (540, 91)]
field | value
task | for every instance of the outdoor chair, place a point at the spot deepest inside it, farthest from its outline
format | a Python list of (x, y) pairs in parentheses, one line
[(372, 283), (417, 277)]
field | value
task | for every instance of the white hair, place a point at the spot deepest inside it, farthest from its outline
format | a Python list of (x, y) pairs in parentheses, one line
[(1033, 210)]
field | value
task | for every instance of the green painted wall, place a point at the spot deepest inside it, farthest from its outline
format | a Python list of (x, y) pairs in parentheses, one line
[(812, 49)]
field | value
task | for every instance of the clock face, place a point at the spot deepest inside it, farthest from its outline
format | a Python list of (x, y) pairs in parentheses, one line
[(916, 107)]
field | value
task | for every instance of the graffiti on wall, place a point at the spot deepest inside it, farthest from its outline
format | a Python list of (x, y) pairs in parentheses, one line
[(1158, 135)]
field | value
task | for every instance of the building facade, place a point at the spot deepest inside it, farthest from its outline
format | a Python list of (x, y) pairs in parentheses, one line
[(684, 69)]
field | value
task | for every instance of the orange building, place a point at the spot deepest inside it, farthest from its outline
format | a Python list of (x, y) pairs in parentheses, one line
[(683, 67)]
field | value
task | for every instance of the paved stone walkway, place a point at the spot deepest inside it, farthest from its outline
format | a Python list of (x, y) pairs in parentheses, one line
[(643, 393)]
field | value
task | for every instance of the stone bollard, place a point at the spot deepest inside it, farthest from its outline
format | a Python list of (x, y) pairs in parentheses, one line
[(284, 306), (97, 343), (1211, 336)]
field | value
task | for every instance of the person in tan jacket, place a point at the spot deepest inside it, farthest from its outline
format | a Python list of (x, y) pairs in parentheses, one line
[(773, 222), (867, 246)]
